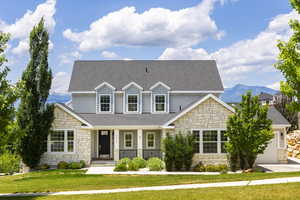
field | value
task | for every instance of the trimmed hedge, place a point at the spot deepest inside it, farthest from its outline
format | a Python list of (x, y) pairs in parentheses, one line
[(72, 165), (140, 162), (211, 168)]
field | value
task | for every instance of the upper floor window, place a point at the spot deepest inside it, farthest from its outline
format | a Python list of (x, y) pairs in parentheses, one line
[(132, 103), (105, 103), (160, 103)]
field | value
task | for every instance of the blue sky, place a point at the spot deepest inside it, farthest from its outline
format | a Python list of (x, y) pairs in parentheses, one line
[(240, 34)]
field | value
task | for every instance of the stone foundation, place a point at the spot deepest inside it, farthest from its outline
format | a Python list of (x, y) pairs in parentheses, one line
[(210, 159)]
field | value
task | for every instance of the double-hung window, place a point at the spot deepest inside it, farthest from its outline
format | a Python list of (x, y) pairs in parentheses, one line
[(150, 140), (210, 141), (61, 141), (105, 103), (224, 139), (132, 103), (160, 103), (196, 135), (128, 140)]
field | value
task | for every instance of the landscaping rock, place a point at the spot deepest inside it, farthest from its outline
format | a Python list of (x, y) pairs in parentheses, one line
[(293, 141)]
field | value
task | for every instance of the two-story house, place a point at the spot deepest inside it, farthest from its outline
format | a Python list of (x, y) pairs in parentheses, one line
[(126, 108)]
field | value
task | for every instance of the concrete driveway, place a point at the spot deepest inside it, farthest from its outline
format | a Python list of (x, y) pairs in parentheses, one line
[(292, 166)]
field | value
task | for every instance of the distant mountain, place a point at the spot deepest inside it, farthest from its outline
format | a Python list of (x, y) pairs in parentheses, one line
[(58, 98), (234, 94)]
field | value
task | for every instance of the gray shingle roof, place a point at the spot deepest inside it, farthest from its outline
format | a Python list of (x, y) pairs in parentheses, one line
[(265, 96), (276, 117), (127, 119), (191, 75)]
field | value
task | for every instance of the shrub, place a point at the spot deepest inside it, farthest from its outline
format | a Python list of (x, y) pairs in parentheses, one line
[(211, 168), (43, 167), (62, 165), (74, 165), (82, 163), (133, 166), (179, 151), (140, 162), (9, 163), (155, 164), (125, 161), (121, 167)]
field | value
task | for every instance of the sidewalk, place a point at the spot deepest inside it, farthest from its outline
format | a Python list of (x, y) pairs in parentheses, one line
[(157, 188)]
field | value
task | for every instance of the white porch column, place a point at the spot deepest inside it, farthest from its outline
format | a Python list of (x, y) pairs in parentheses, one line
[(116, 144), (140, 143), (163, 137)]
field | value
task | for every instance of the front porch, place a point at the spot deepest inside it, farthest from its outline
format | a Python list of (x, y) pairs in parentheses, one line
[(115, 144)]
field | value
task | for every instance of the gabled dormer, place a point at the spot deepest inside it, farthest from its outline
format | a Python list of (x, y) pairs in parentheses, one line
[(105, 98), (132, 98), (160, 98)]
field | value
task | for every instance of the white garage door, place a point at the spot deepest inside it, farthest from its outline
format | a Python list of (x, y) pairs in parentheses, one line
[(270, 154)]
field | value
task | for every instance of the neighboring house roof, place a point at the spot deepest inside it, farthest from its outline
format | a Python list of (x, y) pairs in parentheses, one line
[(188, 75), (276, 117), (265, 96)]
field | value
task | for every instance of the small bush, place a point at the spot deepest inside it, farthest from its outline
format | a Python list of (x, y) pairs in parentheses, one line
[(155, 164), (133, 166), (140, 162), (121, 167), (43, 167), (9, 163), (82, 163), (74, 165), (62, 165), (211, 168), (125, 161)]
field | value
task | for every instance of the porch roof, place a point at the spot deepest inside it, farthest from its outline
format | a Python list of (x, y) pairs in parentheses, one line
[(127, 119)]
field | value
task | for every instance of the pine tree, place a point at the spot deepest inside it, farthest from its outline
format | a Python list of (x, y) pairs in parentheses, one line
[(34, 115), (8, 96), (249, 131), (289, 62)]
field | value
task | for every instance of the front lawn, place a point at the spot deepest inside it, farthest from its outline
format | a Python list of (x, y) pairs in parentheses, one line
[(66, 180), (288, 191)]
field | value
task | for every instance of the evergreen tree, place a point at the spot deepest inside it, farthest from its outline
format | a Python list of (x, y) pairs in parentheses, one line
[(249, 131), (34, 115), (289, 62), (8, 96)]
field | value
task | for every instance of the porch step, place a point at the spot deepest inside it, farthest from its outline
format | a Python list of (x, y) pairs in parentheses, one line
[(103, 163)]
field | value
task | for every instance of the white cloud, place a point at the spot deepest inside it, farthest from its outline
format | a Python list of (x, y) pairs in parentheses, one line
[(109, 54), (21, 28), (60, 82), (68, 58), (274, 86), (154, 27), (246, 56)]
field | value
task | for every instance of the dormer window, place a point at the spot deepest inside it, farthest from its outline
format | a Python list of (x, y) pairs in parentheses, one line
[(160, 103), (105, 103), (132, 103)]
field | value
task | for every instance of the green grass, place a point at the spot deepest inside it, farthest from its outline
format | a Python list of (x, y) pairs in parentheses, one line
[(66, 180), (288, 191)]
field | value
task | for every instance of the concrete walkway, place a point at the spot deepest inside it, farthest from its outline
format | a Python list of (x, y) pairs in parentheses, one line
[(160, 188)]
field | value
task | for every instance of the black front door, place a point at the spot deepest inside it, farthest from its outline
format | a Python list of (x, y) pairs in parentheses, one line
[(104, 142)]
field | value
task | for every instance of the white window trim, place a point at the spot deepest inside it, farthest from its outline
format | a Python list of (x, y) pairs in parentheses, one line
[(165, 107), (218, 142), (65, 142), (138, 103), (128, 133), (99, 103), (154, 139)]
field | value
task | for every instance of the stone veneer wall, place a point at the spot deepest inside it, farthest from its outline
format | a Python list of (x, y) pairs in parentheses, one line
[(208, 115), (82, 146)]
